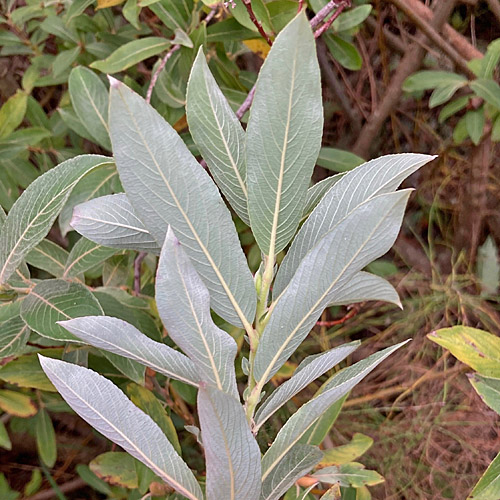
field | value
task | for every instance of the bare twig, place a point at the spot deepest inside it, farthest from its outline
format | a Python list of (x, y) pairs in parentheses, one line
[(340, 321), (246, 104), (68, 487), (256, 22), (328, 23), (159, 69)]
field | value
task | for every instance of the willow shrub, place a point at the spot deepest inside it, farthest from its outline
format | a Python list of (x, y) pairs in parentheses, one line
[(173, 208)]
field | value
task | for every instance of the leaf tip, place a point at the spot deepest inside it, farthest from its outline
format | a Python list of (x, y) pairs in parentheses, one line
[(113, 82)]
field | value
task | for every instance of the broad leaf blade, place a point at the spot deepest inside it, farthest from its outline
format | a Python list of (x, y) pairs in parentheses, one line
[(117, 336), (33, 214), (56, 300), (166, 185), (295, 464), (14, 332), (283, 136), (111, 221), (364, 235), (306, 416), (373, 178), (48, 256), (232, 454), (89, 97), (218, 134), (105, 407), (183, 302), (308, 371)]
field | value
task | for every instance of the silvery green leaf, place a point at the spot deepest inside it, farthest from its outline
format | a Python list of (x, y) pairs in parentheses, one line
[(14, 332), (304, 418), (89, 97), (218, 134), (317, 191), (48, 256), (294, 465), (364, 235), (111, 221), (98, 183), (375, 177), (231, 451), (99, 402), (309, 370), (119, 337), (85, 255), (167, 186), (56, 300), (183, 302), (34, 212), (283, 136), (362, 287)]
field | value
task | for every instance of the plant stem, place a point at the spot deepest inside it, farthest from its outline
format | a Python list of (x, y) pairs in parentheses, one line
[(256, 22)]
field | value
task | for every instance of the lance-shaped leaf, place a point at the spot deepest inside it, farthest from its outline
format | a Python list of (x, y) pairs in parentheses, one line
[(85, 255), (89, 97), (232, 453), (166, 185), (119, 337), (488, 486), (56, 300), (373, 178), (111, 222), (33, 214), (363, 287), (364, 235), (218, 134), (317, 191), (183, 302), (294, 465), (283, 136), (310, 369), (99, 402), (304, 418)]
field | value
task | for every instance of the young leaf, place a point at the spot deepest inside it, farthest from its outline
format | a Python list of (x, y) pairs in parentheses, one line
[(309, 370), (218, 134), (489, 90), (33, 214), (375, 177), (294, 465), (56, 300), (304, 418), (111, 221), (104, 406), (283, 136), (119, 337), (364, 235), (85, 255), (184, 306), (166, 185), (131, 53), (89, 97), (232, 454)]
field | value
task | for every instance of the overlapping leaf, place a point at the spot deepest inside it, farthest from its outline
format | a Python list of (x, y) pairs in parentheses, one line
[(105, 407), (337, 257), (85, 255), (183, 302), (34, 212), (166, 185), (283, 136)]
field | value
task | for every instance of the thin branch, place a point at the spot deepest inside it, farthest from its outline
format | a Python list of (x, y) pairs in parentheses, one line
[(246, 104), (328, 23), (159, 69), (256, 22), (137, 272)]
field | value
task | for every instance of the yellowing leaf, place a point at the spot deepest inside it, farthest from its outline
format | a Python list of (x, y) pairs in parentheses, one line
[(17, 404), (12, 113), (476, 348), (115, 468), (104, 4), (259, 47), (349, 452)]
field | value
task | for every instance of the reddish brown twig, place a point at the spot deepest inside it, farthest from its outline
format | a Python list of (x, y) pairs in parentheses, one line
[(328, 23), (137, 272), (340, 321), (256, 22), (159, 69)]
